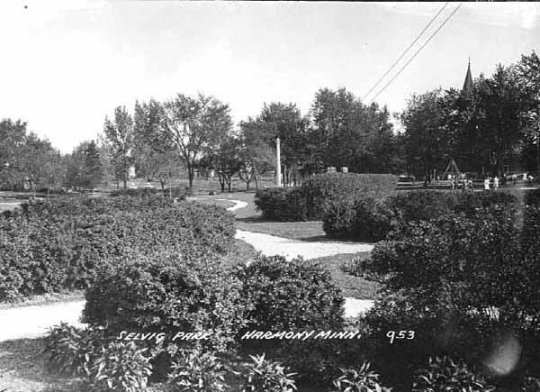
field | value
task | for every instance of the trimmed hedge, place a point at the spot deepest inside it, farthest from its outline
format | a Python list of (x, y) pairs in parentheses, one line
[(442, 279), (312, 198), (290, 295), (167, 292), (371, 220), (59, 244)]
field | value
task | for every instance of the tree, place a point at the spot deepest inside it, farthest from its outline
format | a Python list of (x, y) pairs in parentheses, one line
[(120, 133), (424, 137), (286, 122), (194, 127), (12, 139), (226, 160), (257, 156), (528, 74), (39, 162), (93, 172), (345, 132), (502, 104)]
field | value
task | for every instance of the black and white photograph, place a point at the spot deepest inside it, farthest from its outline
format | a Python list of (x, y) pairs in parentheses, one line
[(281, 196)]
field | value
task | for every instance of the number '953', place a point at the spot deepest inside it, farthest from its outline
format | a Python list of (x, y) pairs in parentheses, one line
[(393, 335)]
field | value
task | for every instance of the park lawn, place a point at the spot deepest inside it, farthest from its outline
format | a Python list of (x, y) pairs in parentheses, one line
[(249, 219), (352, 286)]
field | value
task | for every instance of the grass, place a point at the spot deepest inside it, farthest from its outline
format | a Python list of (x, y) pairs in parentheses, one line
[(352, 286)]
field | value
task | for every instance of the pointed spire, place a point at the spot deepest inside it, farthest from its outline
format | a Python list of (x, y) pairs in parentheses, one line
[(468, 85)]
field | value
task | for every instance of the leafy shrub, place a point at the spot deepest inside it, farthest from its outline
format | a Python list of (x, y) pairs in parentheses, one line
[(196, 371), (120, 367), (359, 380), (72, 351), (363, 219), (312, 198), (59, 244), (165, 292), (290, 295), (281, 204), (135, 192), (262, 375), (324, 188), (99, 364), (420, 205), (444, 374)]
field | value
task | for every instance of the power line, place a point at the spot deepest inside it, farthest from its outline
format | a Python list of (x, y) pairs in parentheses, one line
[(405, 52), (418, 51)]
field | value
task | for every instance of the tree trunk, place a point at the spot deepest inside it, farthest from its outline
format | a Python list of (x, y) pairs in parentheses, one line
[(162, 187), (191, 176)]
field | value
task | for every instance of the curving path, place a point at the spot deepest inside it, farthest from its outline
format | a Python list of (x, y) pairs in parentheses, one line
[(34, 321)]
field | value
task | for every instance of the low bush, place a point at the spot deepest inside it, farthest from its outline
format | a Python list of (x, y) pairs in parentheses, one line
[(72, 351), (444, 374), (324, 188), (135, 192), (364, 219), (313, 197), (166, 292), (359, 380), (262, 375), (196, 371), (59, 244), (99, 364), (290, 295), (120, 367)]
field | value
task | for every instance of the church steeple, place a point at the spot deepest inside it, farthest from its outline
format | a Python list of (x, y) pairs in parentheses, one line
[(468, 86)]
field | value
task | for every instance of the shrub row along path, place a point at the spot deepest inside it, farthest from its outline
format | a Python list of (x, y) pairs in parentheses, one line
[(35, 320)]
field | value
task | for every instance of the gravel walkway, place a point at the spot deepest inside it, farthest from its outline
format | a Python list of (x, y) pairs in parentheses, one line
[(34, 321)]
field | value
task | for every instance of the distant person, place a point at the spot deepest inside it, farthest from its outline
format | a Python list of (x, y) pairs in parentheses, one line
[(495, 183), (486, 184), (530, 179)]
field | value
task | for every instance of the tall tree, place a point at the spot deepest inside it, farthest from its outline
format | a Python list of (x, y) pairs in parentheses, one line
[(425, 142), (12, 140), (39, 162), (120, 134), (345, 132), (257, 156), (528, 74), (195, 126), (502, 104)]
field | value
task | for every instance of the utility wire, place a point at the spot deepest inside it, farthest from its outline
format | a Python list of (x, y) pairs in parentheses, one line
[(418, 51), (406, 51)]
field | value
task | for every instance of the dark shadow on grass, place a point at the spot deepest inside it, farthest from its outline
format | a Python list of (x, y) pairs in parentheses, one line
[(25, 360)]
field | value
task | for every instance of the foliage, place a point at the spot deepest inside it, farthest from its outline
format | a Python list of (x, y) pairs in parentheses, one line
[(311, 200), (346, 132), (84, 169), (194, 126), (364, 219), (290, 295), (197, 371), (167, 292), (60, 244), (120, 135), (72, 351), (359, 380), (99, 364), (262, 375), (120, 367), (282, 204), (444, 374)]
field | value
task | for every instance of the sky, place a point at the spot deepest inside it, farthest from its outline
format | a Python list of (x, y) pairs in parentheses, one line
[(65, 65)]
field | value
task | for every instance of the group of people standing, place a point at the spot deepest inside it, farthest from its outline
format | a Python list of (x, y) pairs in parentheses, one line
[(487, 182)]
